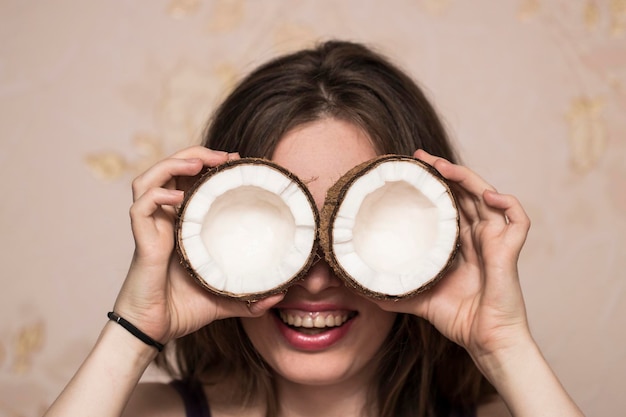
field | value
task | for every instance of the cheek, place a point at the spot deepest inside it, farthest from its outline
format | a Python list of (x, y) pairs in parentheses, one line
[(262, 333), (374, 329), (380, 326)]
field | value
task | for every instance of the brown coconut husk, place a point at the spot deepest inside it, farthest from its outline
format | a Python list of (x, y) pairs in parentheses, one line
[(334, 198), (251, 296)]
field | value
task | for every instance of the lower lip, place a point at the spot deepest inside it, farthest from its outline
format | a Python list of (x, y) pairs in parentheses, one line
[(316, 342)]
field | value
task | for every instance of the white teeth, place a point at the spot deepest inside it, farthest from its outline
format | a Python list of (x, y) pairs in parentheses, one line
[(314, 320)]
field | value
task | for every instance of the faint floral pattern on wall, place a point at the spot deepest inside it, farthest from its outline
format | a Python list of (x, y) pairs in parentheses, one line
[(27, 343), (617, 185), (179, 9), (19, 347), (528, 9), (618, 17), (226, 15), (291, 36), (189, 94), (166, 66), (599, 58), (110, 165), (591, 12), (587, 133), (435, 7), (187, 97)]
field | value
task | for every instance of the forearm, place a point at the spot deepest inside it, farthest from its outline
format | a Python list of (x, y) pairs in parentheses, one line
[(107, 377), (527, 383)]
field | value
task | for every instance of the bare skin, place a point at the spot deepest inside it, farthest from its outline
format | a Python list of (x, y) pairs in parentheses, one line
[(478, 305)]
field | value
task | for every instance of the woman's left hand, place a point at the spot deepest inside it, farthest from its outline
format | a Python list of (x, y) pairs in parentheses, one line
[(478, 303)]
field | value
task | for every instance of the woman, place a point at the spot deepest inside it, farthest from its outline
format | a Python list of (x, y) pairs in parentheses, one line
[(445, 352)]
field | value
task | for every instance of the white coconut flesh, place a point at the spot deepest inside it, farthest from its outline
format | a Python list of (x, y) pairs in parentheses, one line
[(396, 228), (247, 229)]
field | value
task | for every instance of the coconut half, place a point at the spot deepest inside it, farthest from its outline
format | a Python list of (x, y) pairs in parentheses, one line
[(247, 229), (390, 227)]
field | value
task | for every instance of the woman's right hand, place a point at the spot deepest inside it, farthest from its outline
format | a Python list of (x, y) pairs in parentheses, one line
[(159, 296)]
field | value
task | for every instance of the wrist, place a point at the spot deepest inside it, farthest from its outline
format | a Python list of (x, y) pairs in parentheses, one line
[(126, 346), (106, 379), (135, 331), (498, 363), (525, 380)]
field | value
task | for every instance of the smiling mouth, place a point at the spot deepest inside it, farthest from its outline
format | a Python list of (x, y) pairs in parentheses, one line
[(314, 322)]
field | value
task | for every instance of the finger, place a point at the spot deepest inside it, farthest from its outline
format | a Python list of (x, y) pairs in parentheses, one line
[(154, 198), (470, 188), (206, 156), (516, 217), (466, 200), (210, 157), (185, 183), (162, 173), (427, 157), (143, 213), (459, 174), (256, 308)]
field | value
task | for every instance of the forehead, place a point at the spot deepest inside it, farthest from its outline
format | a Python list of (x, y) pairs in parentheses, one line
[(320, 152)]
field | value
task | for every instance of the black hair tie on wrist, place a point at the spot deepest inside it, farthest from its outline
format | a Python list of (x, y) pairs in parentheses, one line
[(135, 331)]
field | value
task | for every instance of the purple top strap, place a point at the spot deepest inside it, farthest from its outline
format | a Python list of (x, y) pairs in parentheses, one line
[(196, 404)]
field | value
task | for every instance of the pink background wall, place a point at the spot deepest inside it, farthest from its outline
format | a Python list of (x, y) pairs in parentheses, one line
[(534, 92)]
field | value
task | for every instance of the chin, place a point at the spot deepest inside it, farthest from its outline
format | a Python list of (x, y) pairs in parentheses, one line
[(322, 369), (319, 357)]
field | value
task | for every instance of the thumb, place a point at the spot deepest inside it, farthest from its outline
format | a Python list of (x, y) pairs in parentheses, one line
[(259, 307)]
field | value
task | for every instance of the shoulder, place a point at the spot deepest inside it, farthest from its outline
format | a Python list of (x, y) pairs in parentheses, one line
[(156, 400), (494, 407)]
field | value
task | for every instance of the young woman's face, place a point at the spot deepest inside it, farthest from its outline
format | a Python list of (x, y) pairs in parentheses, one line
[(352, 328)]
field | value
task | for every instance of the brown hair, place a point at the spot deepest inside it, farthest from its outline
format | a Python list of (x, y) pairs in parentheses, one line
[(421, 373)]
